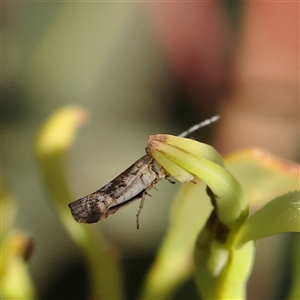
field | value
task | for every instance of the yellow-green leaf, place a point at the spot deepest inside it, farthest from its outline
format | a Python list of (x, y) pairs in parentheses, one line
[(277, 216), (54, 141)]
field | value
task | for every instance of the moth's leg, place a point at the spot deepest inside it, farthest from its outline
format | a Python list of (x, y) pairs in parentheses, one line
[(173, 182), (170, 180), (140, 209)]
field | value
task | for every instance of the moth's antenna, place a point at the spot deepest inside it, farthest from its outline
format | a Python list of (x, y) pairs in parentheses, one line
[(200, 125)]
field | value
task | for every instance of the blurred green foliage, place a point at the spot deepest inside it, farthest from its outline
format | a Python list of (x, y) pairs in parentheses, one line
[(15, 251)]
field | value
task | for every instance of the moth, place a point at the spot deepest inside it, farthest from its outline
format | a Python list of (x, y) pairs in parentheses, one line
[(131, 185)]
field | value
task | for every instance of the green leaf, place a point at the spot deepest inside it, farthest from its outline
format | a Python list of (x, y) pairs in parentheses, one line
[(174, 260), (55, 139), (14, 275), (294, 292), (261, 175), (279, 215), (15, 250), (222, 271), (215, 259), (203, 161), (8, 209)]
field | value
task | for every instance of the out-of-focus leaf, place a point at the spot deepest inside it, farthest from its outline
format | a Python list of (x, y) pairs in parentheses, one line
[(54, 141), (262, 175), (15, 250), (14, 276), (277, 216), (294, 292), (8, 209), (174, 260)]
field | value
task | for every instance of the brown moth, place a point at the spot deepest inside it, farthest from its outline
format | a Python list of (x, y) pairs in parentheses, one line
[(133, 184)]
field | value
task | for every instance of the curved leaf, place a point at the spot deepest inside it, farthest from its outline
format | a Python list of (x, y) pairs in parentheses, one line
[(279, 215), (266, 175), (216, 260), (198, 159), (16, 283), (54, 140)]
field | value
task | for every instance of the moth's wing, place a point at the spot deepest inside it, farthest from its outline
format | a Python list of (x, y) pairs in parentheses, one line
[(94, 207), (91, 208)]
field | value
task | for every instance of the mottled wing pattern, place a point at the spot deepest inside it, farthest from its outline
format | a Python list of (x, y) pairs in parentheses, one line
[(129, 185)]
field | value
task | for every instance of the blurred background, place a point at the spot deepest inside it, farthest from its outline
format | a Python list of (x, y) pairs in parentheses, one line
[(140, 69)]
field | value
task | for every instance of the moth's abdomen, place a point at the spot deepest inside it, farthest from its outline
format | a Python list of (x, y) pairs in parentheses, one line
[(90, 209)]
